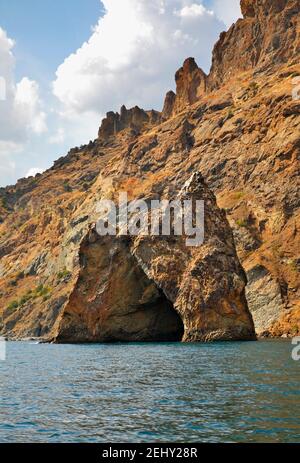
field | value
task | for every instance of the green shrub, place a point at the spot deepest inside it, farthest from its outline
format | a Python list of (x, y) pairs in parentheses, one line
[(4, 203), (25, 299), (13, 306), (39, 288), (64, 274), (254, 87), (41, 291), (241, 223), (230, 114), (294, 330), (67, 187), (293, 265), (44, 292), (239, 194)]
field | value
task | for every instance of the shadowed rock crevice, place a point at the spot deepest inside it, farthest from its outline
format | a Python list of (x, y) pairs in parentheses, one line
[(156, 288), (161, 323), (114, 300), (239, 127)]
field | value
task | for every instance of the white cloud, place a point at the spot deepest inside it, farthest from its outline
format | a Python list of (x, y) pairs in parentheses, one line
[(20, 110), (33, 171), (7, 165), (2, 89), (130, 58), (28, 105), (21, 115), (133, 53), (9, 147), (58, 137), (227, 11), (194, 10)]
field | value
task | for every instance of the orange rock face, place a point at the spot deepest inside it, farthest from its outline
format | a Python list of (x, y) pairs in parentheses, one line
[(239, 127), (157, 288), (135, 119), (169, 104), (190, 86), (266, 38)]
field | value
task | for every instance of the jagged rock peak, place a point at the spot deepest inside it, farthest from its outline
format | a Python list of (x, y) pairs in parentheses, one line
[(247, 8), (157, 291), (189, 66), (169, 104), (134, 118), (190, 86), (267, 37), (252, 8)]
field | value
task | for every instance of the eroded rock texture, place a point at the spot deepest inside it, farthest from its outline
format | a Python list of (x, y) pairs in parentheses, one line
[(135, 119), (190, 85), (239, 127), (267, 37), (157, 288), (114, 300)]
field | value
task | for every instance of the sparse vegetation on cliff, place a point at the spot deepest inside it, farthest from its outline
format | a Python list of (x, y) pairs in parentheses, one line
[(40, 291), (239, 127)]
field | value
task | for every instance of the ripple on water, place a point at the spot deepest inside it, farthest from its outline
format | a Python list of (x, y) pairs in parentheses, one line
[(227, 392)]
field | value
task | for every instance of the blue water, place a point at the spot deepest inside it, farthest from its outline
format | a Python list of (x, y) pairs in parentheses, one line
[(228, 392)]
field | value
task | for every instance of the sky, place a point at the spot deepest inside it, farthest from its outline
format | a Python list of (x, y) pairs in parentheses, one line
[(64, 64)]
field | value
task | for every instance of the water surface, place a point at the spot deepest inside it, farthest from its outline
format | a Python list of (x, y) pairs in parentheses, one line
[(227, 392)]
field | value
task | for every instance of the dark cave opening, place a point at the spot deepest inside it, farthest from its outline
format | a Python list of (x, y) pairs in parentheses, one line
[(116, 301), (167, 324)]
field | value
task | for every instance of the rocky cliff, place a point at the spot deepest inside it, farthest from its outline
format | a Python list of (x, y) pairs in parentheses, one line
[(158, 289), (264, 40), (135, 119), (191, 84), (239, 127)]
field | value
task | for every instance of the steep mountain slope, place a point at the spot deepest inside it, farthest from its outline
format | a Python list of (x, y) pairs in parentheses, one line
[(239, 127)]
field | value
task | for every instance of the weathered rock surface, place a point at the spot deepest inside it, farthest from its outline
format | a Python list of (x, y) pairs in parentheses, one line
[(265, 297), (157, 288), (191, 84), (241, 132), (113, 299), (169, 104), (135, 119), (267, 38)]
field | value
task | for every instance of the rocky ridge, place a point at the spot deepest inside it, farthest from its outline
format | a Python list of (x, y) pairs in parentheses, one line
[(239, 127)]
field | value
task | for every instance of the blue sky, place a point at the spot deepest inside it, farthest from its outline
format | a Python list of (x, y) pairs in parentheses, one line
[(47, 31), (125, 61)]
